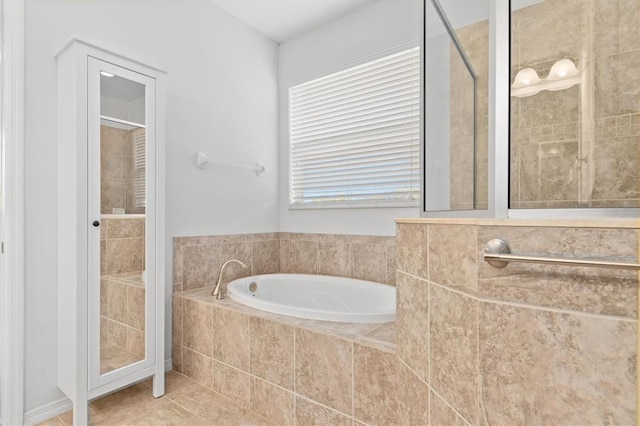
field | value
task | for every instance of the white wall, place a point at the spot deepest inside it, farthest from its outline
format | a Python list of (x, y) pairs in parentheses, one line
[(384, 25), (221, 99)]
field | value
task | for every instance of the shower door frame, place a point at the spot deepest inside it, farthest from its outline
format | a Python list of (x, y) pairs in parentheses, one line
[(12, 215)]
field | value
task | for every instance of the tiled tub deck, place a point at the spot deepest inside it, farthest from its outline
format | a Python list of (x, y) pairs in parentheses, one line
[(295, 371)]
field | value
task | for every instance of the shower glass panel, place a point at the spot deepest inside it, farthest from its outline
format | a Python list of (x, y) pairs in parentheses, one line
[(575, 104), (456, 105)]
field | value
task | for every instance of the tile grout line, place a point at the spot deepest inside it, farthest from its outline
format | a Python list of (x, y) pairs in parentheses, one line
[(524, 305)]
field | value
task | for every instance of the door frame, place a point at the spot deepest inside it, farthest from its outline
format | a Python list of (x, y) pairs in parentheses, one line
[(12, 213)]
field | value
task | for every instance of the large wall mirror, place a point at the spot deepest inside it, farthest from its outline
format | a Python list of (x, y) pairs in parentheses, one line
[(456, 94), (575, 104), (121, 128)]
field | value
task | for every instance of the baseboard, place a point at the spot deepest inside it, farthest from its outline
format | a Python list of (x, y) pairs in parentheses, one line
[(62, 405), (47, 411)]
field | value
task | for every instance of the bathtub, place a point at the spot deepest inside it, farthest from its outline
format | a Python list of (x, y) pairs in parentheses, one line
[(317, 297)]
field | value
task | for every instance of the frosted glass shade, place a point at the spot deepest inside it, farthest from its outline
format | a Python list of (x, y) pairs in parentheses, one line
[(525, 77), (564, 68)]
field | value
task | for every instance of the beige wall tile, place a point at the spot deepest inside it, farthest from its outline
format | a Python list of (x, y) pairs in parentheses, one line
[(375, 373), (333, 258), (303, 257), (117, 334), (616, 174), (310, 414), (594, 290), (452, 256), (265, 257), (239, 251), (197, 331), (178, 262), (323, 369), (103, 257), (368, 262), (201, 266), (412, 249), (232, 383), (176, 321), (231, 338), (413, 397), (442, 414), (197, 367), (135, 307), (104, 298), (272, 352), (284, 259), (412, 322), (176, 358), (126, 228), (125, 255), (541, 367), (391, 265), (617, 84), (454, 350), (117, 300), (135, 342), (545, 35), (272, 402), (615, 26)]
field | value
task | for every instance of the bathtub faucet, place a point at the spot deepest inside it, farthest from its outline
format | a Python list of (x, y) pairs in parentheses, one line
[(217, 291)]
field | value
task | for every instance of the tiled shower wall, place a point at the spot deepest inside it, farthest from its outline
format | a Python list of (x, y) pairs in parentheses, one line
[(197, 260), (527, 344), (577, 147)]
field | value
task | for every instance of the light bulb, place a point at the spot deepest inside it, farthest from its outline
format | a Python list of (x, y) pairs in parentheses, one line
[(525, 77), (564, 68), (107, 74)]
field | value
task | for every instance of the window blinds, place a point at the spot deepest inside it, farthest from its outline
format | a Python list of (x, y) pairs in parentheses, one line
[(355, 135), (139, 167)]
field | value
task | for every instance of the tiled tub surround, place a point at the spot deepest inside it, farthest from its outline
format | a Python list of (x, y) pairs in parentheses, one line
[(122, 321), (295, 371), (527, 344), (122, 247), (122, 294), (197, 260)]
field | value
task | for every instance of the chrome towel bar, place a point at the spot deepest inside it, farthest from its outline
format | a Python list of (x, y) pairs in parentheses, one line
[(498, 255)]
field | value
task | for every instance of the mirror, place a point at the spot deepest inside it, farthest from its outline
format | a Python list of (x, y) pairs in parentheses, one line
[(122, 207), (456, 105)]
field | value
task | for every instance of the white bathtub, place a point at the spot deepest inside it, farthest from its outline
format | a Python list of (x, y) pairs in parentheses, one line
[(317, 297)]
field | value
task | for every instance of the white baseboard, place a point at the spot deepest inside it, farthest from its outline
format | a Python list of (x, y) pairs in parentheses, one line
[(47, 411), (53, 409)]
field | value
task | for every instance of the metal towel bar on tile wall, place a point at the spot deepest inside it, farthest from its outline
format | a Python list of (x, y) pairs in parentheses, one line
[(498, 255)]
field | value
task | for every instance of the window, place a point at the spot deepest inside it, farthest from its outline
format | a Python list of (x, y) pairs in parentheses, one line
[(354, 136), (139, 168)]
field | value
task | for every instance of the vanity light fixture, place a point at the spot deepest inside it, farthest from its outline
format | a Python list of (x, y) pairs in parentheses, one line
[(107, 74), (563, 75)]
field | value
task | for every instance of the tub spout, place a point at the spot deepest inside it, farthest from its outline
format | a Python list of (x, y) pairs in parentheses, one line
[(217, 291)]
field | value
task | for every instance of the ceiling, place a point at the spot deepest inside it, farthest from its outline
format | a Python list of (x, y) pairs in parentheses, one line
[(281, 20)]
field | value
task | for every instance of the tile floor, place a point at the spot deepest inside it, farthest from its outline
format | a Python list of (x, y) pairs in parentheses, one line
[(184, 403)]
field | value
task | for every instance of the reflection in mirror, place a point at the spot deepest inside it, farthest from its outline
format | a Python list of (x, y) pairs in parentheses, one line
[(575, 104), (122, 244), (456, 105)]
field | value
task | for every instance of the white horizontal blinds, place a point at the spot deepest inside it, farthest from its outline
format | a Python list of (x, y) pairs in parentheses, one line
[(139, 167), (355, 135)]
